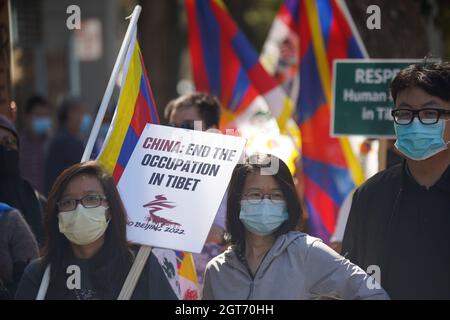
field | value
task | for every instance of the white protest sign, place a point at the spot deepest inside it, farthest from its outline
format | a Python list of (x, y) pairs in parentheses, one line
[(173, 184)]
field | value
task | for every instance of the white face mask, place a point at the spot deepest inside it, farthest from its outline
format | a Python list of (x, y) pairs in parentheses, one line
[(83, 225)]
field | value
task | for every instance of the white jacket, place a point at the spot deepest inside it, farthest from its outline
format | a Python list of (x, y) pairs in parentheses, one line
[(297, 266)]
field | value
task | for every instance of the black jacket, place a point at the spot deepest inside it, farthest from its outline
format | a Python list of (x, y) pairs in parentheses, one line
[(403, 228), (64, 151), (152, 284)]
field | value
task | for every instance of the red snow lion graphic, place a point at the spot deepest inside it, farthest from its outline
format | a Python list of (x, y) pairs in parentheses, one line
[(156, 205)]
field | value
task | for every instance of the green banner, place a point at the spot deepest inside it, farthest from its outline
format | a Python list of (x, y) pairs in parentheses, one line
[(362, 102)]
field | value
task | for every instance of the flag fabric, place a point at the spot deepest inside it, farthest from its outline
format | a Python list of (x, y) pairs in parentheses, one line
[(319, 32), (136, 108), (227, 66)]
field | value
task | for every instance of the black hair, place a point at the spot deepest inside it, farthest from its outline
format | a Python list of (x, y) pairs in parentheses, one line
[(432, 77), (254, 164), (33, 102), (207, 104), (64, 108), (114, 255)]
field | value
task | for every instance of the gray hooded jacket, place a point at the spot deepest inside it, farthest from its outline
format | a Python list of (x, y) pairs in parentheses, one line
[(297, 266)]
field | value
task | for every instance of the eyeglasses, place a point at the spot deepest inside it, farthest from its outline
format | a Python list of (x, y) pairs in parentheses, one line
[(90, 201), (9, 142), (426, 115), (189, 124), (256, 197)]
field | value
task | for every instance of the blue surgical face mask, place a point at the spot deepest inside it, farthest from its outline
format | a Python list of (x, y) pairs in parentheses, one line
[(263, 218), (86, 124), (41, 125), (420, 141)]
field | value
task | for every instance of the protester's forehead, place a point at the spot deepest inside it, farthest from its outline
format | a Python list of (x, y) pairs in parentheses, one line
[(256, 180), (81, 185), (185, 113), (40, 109), (416, 98), (5, 133)]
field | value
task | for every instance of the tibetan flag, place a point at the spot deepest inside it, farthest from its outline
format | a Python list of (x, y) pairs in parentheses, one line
[(134, 110), (227, 66), (320, 32)]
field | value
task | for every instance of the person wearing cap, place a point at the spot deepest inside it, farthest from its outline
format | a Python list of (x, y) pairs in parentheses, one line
[(14, 190)]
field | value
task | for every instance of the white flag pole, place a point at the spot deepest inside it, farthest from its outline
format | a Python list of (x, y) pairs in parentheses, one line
[(98, 120), (110, 87), (348, 16)]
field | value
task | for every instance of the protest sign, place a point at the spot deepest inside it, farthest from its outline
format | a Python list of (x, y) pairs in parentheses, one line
[(173, 185), (362, 102)]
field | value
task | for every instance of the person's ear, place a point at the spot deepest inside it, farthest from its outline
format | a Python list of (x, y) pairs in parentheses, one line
[(13, 111)]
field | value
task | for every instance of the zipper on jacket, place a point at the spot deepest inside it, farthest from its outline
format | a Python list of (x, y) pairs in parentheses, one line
[(252, 285)]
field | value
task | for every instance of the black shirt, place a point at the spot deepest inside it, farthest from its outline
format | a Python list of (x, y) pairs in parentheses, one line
[(418, 260), (64, 150), (403, 228), (152, 283)]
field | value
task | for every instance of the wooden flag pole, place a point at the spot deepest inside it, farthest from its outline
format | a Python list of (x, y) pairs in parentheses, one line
[(135, 272)]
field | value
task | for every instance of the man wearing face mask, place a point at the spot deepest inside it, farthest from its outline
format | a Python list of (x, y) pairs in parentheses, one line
[(66, 148), (14, 190), (400, 218), (34, 141)]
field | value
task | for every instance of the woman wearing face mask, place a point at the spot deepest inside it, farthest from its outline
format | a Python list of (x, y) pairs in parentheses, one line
[(268, 259), (86, 246)]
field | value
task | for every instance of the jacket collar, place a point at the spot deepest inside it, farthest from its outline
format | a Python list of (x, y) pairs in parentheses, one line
[(231, 255)]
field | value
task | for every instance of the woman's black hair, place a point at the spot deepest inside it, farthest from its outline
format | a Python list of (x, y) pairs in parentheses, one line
[(110, 265), (257, 164)]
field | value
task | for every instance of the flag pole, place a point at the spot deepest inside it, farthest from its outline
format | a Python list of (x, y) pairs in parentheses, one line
[(98, 120), (348, 16), (110, 87)]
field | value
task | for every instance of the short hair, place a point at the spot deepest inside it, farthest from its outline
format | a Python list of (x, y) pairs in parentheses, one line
[(432, 77), (33, 102), (64, 108), (207, 104), (254, 164)]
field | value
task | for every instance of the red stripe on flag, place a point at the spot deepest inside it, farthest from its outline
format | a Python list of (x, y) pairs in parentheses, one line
[(195, 49), (249, 96), (117, 173), (153, 106), (141, 115), (229, 70), (322, 203), (317, 144), (262, 81), (304, 31), (286, 16), (229, 27), (338, 37)]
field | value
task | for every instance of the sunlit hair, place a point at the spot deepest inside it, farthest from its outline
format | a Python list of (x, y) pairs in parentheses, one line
[(432, 77)]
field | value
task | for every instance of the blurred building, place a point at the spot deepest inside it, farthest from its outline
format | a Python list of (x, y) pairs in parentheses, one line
[(54, 61)]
